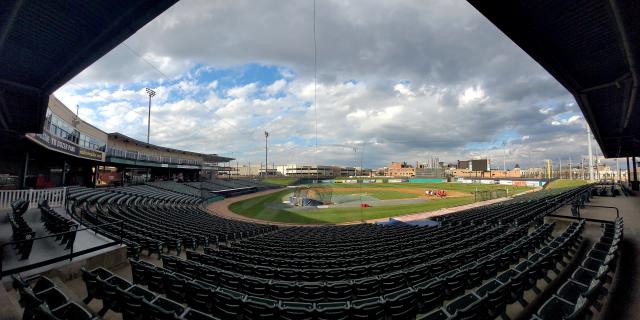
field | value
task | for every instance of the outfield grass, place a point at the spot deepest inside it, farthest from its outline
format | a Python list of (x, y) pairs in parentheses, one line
[(462, 187), (280, 181), (256, 208), (380, 194), (564, 183)]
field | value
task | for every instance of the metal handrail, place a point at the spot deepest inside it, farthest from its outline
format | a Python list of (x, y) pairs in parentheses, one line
[(608, 207), (71, 254)]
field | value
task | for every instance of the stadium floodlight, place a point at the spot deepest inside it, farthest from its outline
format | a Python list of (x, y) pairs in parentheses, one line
[(151, 93), (266, 149)]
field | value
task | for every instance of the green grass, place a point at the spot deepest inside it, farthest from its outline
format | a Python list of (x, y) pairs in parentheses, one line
[(462, 187), (564, 183), (280, 181), (380, 194), (256, 208)]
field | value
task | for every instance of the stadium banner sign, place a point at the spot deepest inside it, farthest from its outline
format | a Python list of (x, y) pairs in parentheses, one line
[(395, 180), (349, 181), (54, 143), (534, 183), (329, 181), (506, 182)]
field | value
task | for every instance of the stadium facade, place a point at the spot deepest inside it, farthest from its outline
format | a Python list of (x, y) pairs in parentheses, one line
[(70, 151)]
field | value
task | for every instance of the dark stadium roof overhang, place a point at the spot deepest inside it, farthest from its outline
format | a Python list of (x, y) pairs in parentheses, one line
[(44, 44), (592, 47)]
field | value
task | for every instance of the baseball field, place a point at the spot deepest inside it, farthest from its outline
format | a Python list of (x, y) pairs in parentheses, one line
[(382, 200)]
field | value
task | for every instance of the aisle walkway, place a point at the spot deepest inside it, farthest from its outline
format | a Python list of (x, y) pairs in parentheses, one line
[(624, 303)]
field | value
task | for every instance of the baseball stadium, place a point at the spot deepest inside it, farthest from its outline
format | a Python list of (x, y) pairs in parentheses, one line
[(98, 222)]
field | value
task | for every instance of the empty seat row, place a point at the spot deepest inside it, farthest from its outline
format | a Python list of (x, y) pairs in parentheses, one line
[(447, 254), (490, 299), (58, 224), (22, 234), (587, 283), (133, 301), (471, 273), (42, 300)]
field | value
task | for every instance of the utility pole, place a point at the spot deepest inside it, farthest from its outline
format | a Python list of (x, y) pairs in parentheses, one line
[(590, 154), (560, 169), (266, 152), (504, 159), (570, 170), (617, 169)]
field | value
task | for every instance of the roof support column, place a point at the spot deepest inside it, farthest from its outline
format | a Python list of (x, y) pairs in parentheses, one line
[(24, 173), (635, 186), (628, 172)]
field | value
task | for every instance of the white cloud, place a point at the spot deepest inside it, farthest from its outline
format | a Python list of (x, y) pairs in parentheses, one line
[(546, 110), (404, 89), (243, 91), (213, 84), (276, 87), (472, 95), (415, 77)]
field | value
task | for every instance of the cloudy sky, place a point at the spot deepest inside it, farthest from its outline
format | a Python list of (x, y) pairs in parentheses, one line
[(396, 80)]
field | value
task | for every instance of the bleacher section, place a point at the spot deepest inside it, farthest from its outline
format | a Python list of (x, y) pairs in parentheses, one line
[(156, 220), (184, 188), (211, 189), (504, 260)]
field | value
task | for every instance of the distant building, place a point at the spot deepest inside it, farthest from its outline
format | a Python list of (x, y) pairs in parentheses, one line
[(400, 169), (300, 170), (433, 169)]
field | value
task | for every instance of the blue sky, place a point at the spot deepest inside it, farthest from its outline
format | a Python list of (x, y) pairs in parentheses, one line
[(403, 81)]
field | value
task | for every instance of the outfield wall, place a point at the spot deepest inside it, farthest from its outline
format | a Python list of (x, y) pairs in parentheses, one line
[(383, 180), (506, 182)]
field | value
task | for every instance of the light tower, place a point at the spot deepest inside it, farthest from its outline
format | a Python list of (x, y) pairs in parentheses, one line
[(151, 93), (590, 154), (266, 150)]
